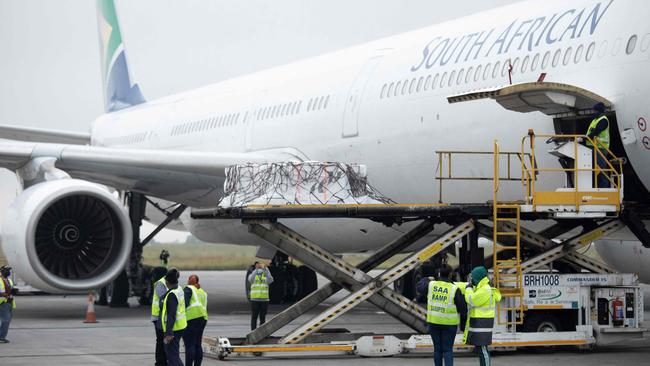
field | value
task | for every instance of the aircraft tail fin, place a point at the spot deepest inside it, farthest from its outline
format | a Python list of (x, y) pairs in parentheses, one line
[(119, 90)]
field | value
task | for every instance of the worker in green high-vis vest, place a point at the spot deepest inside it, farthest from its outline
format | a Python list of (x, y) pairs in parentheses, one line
[(599, 133), (260, 279)]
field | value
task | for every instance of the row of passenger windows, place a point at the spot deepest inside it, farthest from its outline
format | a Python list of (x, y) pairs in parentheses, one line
[(489, 71), (206, 124), (126, 140), (290, 109)]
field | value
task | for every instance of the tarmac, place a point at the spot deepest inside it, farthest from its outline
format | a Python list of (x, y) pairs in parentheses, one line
[(48, 330)]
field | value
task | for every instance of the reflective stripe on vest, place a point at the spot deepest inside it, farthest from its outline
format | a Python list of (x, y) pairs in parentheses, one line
[(440, 303), (198, 307), (259, 288), (155, 301), (181, 321), (602, 139)]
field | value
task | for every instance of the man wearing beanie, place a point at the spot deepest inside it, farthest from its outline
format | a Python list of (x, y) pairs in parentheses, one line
[(481, 300), (172, 317)]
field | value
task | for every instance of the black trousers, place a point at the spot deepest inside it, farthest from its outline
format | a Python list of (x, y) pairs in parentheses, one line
[(172, 350), (161, 358), (192, 336), (258, 309)]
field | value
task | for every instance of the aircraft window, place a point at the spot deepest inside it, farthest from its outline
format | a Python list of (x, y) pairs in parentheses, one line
[(578, 54), (468, 77), (645, 42), (556, 57), (486, 72), (547, 58), (603, 49), (427, 83), (590, 51), (412, 86), (524, 64), (383, 91), (479, 70), (631, 44), (617, 47), (515, 65), (461, 75), (533, 65), (495, 72), (452, 76), (567, 56), (443, 80), (435, 81), (405, 86), (299, 105), (419, 87), (390, 90), (397, 87)]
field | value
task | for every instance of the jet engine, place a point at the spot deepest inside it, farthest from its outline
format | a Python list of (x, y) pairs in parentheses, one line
[(66, 235)]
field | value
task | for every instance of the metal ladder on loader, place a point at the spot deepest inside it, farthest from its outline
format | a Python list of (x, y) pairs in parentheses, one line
[(506, 223)]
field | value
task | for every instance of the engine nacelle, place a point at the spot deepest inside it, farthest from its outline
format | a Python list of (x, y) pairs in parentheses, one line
[(66, 235)]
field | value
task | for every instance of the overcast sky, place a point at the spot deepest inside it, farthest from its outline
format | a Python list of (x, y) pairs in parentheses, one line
[(49, 57)]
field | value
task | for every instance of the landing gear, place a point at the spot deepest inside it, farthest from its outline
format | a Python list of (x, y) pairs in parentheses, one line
[(137, 279)]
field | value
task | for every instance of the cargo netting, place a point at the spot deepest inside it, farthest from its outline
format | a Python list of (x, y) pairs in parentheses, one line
[(305, 183)]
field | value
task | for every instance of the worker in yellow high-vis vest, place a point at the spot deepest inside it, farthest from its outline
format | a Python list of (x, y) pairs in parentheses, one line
[(7, 302), (260, 279), (196, 312), (159, 291), (173, 318), (481, 301), (599, 133), (446, 310)]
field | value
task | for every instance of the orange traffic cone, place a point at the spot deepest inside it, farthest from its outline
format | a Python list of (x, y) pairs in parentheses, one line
[(90, 310)]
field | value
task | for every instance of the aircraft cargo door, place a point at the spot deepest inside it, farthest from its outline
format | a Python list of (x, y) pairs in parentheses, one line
[(355, 98)]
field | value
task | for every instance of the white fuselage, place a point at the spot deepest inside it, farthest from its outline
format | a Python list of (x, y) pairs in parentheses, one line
[(383, 104)]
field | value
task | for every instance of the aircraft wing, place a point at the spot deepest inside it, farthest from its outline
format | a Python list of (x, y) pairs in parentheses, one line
[(186, 177), (43, 135)]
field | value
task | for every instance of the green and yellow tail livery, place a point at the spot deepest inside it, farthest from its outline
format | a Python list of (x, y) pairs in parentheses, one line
[(119, 90)]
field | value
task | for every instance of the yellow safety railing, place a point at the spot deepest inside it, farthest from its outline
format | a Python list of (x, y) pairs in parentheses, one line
[(613, 174), (446, 171)]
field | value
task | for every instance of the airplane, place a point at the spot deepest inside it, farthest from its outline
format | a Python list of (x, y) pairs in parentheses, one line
[(382, 104)]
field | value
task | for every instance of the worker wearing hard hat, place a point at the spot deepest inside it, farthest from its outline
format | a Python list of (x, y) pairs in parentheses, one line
[(196, 311), (7, 302), (481, 300), (446, 309)]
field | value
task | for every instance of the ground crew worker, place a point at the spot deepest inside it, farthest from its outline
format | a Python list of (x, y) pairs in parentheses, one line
[(159, 291), (446, 309), (7, 302), (481, 300), (196, 312), (260, 279), (599, 133), (172, 317)]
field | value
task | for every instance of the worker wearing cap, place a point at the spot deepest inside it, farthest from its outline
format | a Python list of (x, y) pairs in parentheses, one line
[(196, 312), (598, 132), (260, 279), (446, 309), (7, 302), (172, 317), (159, 291), (481, 300)]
